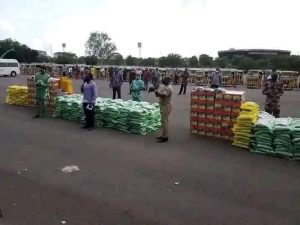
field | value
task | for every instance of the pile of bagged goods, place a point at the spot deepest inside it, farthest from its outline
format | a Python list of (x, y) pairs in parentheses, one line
[(276, 136), (17, 95), (127, 116), (243, 126)]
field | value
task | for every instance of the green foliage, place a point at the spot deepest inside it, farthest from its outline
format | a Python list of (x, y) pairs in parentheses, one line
[(162, 61), (21, 52), (131, 61), (116, 59), (100, 45), (205, 61), (91, 60), (148, 62), (81, 60), (66, 58), (193, 61), (220, 62)]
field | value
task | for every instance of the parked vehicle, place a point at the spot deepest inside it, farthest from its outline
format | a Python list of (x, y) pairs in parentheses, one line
[(9, 67)]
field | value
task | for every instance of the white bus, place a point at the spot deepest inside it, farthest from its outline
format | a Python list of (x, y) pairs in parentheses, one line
[(9, 67)]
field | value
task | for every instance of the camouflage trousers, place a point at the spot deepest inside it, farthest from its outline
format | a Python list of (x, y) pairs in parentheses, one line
[(272, 106)]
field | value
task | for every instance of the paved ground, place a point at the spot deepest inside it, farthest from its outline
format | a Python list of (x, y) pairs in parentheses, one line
[(130, 179)]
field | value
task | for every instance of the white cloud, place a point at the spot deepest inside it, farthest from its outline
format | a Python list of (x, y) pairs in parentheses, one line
[(6, 27)]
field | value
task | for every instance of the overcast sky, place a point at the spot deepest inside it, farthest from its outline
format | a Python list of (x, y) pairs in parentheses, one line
[(186, 27)]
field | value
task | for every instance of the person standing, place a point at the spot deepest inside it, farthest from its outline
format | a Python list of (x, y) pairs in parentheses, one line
[(70, 71), (77, 72), (132, 76), (273, 89), (176, 77), (125, 74), (156, 78), (41, 82), (147, 76), (164, 93), (136, 87), (216, 79), (184, 81), (116, 82), (89, 91)]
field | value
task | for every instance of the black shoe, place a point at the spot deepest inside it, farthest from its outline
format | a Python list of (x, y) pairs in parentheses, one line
[(84, 127), (36, 116), (163, 139), (158, 138), (90, 128)]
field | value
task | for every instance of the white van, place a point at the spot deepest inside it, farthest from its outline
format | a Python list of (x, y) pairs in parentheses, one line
[(9, 67)]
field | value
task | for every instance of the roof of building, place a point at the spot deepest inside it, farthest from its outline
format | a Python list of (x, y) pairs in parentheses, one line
[(255, 50)]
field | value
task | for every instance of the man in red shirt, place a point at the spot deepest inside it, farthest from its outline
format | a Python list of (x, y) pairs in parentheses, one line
[(147, 78)]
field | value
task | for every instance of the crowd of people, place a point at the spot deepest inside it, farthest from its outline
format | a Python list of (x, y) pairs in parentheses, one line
[(139, 81)]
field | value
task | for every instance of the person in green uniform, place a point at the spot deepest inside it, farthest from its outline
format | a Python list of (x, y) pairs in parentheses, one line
[(136, 88), (41, 82)]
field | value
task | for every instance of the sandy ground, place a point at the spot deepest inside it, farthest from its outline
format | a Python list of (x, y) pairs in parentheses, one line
[(131, 179)]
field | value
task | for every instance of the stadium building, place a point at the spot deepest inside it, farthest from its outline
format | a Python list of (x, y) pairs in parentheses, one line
[(253, 53)]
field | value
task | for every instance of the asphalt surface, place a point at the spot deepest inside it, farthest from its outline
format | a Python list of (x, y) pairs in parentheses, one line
[(131, 179)]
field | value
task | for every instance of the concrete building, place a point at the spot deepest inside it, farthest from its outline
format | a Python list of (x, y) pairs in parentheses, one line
[(253, 53)]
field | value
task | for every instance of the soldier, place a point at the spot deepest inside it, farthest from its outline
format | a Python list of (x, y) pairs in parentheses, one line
[(273, 89), (41, 82)]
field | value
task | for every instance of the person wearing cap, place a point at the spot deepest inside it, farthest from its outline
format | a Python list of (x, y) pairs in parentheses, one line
[(136, 87), (89, 91), (164, 93), (273, 89), (41, 82)]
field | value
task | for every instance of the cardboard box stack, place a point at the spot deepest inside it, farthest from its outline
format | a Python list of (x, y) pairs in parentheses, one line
[(53, 87), (213, 113), (31, 91)]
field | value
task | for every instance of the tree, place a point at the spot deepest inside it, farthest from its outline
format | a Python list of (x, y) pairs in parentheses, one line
[(193, 61), (131, 61), (148, 62), (116, 59), (21, 52), (173, 60), (220, 62), (91, 60), (205, 61), (81, 60), (100, 45), (162, 61), (66, 58)]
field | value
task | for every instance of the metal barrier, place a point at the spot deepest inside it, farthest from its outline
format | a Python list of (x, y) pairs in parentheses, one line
[(253, 82)]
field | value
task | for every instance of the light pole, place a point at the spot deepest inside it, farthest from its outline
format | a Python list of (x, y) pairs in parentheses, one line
[(140, 49)]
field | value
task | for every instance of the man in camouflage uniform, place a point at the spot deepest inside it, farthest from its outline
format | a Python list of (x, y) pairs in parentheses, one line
[(273, 89)]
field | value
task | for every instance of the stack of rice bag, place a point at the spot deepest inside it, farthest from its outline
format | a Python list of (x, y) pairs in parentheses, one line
[(243, 126), (17, 95), (262, 138), (69, 107), (282, 137), (127, 116), (296, 138)]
